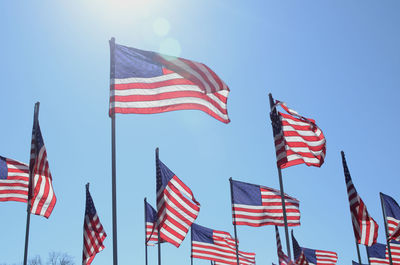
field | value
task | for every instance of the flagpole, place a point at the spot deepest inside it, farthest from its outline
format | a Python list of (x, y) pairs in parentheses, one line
[(358, 252), (158, 227), (145, 229), (234, 225), (28, 207), (271, 103), (113, 159), (191, 246), (386, 229)]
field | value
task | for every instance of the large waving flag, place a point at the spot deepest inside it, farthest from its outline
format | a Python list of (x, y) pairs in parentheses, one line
[(218, 246), (392, 211), (313, 256), (376, 254), (176, 205), (364, 226), (256, 205), (43, 198), (146, 82), (14, 180), (151, 225), (282, 257), (297, 139), (93, 231)]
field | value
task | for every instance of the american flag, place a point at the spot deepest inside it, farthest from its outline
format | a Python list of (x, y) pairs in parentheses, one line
[(394, 251), (93, 231), (297, 139), (176, 205), (376, 254), (256, 205), (299, 256), (364, 226), (314, 256), (218, 246), (146, 82), (14, 180), (151, 227), (392, 211), (43, 198), (283, 258)]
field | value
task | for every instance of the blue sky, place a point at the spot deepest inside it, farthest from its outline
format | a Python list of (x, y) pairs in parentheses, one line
[(336, 61)]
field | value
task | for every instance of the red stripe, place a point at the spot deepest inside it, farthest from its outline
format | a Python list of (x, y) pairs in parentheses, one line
[(185, 106), (264, 223), (153, 85), (16, 199)]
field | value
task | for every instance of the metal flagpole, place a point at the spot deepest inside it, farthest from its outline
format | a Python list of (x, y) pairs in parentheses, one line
[(386, 229), (28, 207), (191, 246), (274, 112), (358, 252), (357, 247), (158, 227), (234, 225), (113, 159), (145, 229)]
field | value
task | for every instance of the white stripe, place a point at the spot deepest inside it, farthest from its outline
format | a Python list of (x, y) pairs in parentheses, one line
[(157, 91), (266, 215), (305, 150), (14, 195), (20, 167), (278, 200), (296, 139), (265, 220), (34, 204), (296, 156), (49, 198), (254, 207), (21, 188), (294, 122), (307, 132)]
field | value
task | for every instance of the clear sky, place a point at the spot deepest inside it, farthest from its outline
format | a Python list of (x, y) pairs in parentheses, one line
[(336, 61)]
